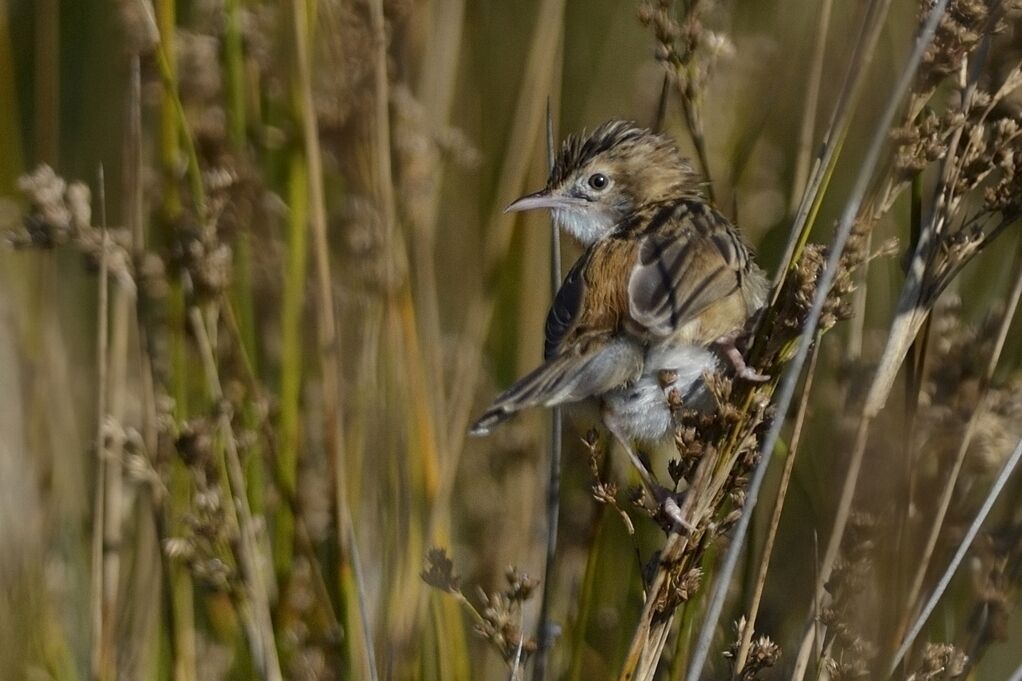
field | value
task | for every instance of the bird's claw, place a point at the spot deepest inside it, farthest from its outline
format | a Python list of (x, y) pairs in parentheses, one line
[(742, 370), (667, 503), (750, 374)]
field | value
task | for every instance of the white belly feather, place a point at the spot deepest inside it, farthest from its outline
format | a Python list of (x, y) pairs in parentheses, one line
[(640, 411)]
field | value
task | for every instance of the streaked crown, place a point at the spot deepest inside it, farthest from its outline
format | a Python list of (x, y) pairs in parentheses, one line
[(600, 179)]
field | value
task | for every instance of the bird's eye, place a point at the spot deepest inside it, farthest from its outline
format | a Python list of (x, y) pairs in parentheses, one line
[(598, 181)]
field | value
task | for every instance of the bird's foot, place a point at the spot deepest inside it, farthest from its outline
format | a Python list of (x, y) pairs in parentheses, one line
[(667, 505), (742, 370)]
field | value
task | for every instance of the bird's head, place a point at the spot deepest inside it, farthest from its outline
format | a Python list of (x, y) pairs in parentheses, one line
[(599, 180)]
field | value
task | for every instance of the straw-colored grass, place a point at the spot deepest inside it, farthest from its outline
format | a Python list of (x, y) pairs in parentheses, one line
[(260, 281)]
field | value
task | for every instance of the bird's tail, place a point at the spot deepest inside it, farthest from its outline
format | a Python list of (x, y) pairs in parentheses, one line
[(569, 377)]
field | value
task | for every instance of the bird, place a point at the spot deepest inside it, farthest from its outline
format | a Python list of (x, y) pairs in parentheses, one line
[(662, 291)]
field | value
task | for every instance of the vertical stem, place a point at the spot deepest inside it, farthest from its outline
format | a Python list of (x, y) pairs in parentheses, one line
[(289, 423), (349, 571), (805, 138), (553, 494), (182, 603), (775, 518), (794, 370), (166, 19), (944, 501), (988, 503), (237, 122), (255, 609), (833, 140), (694, 122), (114, 516), (99, 664), (46, 115)]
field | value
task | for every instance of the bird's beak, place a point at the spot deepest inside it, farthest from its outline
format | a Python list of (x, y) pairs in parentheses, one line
[(544, 198)]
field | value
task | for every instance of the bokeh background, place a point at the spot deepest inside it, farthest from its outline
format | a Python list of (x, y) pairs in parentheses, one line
[(385, 214)]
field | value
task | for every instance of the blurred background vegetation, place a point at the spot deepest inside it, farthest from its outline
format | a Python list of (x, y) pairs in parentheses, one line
[(231, 432)]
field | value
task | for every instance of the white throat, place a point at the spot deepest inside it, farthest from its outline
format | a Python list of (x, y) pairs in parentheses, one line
[(585, 225)]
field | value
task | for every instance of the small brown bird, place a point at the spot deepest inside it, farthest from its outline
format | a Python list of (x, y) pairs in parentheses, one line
[(664, 287)]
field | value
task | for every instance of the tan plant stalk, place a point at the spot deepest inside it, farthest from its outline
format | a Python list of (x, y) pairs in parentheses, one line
[(303, 539), (833, 141), (944, 501), (436, 90), (329, 351), (151, 564), (988, 503), (805, 137), (544, 634), (255, 606), (100, 663), (181, 609), (113, 521), (912, 310), (775, 518), (794, 369)]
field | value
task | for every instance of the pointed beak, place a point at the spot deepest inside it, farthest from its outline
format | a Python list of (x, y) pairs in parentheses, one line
[(541, 199)]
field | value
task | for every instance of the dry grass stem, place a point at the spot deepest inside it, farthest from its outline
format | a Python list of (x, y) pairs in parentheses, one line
[(274, 438)]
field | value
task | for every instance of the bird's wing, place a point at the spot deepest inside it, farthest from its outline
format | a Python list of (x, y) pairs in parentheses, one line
[(689, 258), (586, 354), (566, 308), (588, 365)]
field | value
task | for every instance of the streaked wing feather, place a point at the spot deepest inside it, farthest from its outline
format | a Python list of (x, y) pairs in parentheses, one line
[(683, 268), (587, 367), (566, 307)]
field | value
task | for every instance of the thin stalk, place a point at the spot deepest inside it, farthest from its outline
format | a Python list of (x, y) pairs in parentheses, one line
[(694, 123), (181, 610), (436, 90), (120, 320), (683, 643), (833, 140), (775, 518), (805, 138), (915, 370), (154, 581), (303, 539), (553, 495), (428, 519), (100, 667), (234, 63), (165, 27), (242, 288), (259, 623), (587, 594), (913, 373), (970, 430), (977, 523), (292, 304), (237, 125), (174, 129), (661, 107), (794, 369), (349, 571)]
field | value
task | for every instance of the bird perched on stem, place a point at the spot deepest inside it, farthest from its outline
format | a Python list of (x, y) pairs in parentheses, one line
[(664, 288)]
